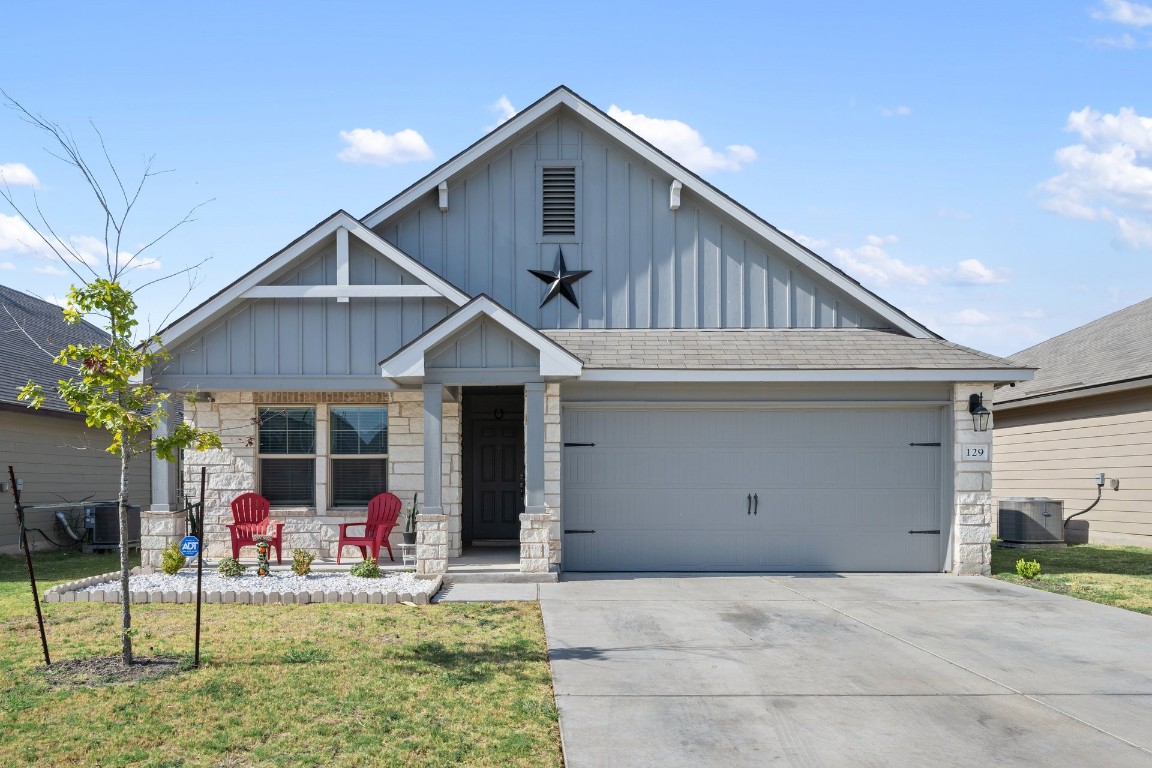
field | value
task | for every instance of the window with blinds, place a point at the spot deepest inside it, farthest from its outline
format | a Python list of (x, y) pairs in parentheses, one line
[(359, 454), (287, 443), (559, 191)]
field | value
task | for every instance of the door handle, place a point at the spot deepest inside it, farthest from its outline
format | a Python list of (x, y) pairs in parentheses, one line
[(749, 504), (756, 509)]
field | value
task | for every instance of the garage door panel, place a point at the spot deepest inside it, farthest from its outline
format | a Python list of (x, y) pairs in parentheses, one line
[(667, 488)]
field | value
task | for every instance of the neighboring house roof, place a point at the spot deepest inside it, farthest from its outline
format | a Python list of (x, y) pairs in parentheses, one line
[(32, 332), (821, 349), (1112, 352), (564, 96)]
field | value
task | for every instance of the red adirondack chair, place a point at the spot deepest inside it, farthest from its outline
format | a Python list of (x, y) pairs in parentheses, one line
[(250, 513), (382, 513)]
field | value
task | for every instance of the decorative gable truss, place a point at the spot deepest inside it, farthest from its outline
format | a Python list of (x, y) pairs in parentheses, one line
[(322, 311)]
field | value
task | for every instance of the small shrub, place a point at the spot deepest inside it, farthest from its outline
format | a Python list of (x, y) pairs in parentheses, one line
[(305, 654), (230, 566), (302, 562), (1027, 569), (365, 570), (171, 560)]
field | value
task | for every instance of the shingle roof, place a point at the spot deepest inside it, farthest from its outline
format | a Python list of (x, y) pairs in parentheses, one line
[(776, 349), (1113, 349), (32, 331)]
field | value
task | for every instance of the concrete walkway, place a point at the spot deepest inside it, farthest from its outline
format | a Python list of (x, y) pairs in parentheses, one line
[(858, 670)]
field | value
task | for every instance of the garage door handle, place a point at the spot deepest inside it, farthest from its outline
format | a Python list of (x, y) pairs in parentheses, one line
[(749, 504), (756, 503), (575, 530), (937, 531)]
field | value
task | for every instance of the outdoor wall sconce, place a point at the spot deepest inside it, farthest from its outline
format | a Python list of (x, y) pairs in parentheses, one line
[(980, 414)]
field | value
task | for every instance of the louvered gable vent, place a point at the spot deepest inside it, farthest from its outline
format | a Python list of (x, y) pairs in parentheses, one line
[(559, 202)]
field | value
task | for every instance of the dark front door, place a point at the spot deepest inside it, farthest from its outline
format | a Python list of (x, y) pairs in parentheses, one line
[(497, 468)]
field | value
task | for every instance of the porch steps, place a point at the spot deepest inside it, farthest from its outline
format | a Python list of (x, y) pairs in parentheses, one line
[(488, 576)]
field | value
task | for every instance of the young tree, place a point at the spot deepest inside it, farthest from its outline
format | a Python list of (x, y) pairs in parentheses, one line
[(109, 383)]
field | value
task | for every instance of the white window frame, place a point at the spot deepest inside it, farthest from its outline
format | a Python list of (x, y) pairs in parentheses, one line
[(330, 456), (260, 457)]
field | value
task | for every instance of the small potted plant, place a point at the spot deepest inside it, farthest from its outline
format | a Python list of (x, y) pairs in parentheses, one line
[(410, 513)]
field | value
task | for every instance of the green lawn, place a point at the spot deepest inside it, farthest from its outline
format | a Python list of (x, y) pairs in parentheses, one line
[(292, 685), (1119, 576)]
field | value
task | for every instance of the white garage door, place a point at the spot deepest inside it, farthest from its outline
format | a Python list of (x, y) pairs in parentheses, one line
[(752, 489)]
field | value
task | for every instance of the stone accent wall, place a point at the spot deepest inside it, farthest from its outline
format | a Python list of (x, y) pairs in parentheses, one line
[(431, 544), (157, 529), (553, 448), (972, 488), (232, 468), (535, 531)]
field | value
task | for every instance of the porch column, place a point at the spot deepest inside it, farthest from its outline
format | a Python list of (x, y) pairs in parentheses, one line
[(536, 520), (534, 448), (162, 522), (164, 485), (432, 523)]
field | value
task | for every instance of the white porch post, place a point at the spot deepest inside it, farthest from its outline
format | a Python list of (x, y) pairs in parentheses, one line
[(535, 523), (432, 523), (163, 521)]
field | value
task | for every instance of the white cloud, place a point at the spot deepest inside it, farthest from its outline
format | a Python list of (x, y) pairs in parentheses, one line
[(871, 263), (18, 175), (1124, 12), (54, 299), (1033, 314), (1107, 176), (370, 147), (7, 266), (1125, 41), (683, 142), (91, 251), (16, 235), (48, 269), (900, 111), (972, 272), (504, 111)]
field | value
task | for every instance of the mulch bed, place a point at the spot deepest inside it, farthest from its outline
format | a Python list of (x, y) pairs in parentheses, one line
[(109, 670)]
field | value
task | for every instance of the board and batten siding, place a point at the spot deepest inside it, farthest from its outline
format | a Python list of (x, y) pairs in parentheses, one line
[(651, 267), (311, 337), (1056, 450), (60, 459)]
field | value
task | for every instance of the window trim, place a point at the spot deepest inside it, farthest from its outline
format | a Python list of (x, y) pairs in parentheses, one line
[(331, 457), (578, 167), (260, 456)]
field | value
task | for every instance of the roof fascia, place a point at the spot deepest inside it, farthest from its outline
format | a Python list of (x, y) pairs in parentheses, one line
[(657, 158), (1076, 393), (408, 362), (648, 375), (222, 301)]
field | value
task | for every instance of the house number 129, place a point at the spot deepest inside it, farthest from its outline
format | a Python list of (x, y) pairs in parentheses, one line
[(975, 453)]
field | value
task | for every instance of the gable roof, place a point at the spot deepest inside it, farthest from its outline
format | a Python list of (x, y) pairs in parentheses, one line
[(408, 362), (565, 97), (250, 282), (782, 354), (1113, 351), (32, 332)]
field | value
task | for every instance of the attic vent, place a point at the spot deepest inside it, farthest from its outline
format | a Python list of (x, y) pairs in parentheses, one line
[(558, 202)]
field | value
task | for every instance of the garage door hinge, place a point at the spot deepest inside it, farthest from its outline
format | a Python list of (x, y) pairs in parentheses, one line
[(926, 445), (937, 531), (579, 445), (577, 530)]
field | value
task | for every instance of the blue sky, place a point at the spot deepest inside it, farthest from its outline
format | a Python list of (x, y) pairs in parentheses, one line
[(985, 166)]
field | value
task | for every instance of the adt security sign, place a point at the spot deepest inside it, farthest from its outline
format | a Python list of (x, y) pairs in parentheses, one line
[(189, 546)]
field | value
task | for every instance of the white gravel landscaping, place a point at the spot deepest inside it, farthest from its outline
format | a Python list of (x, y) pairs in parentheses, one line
[(277, 587)]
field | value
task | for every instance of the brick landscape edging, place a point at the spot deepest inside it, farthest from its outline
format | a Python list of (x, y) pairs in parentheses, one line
[(68, 593)]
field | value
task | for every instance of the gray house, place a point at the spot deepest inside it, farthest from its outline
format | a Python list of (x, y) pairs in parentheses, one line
[(54, 453), (1088, 411), (563, 338)]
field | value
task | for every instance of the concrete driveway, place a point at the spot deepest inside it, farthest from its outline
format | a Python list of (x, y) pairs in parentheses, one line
[(857, 670)]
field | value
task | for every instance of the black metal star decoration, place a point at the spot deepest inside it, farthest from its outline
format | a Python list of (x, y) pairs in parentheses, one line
[(560, 280)]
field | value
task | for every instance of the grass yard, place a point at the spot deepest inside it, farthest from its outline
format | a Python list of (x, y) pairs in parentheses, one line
[(1119, 576), (292, 685)]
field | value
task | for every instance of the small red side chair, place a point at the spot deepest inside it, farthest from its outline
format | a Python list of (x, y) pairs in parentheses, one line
[(382, 513), (250, 513)]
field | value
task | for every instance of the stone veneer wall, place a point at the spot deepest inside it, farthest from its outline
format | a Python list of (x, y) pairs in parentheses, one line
[(972, 488), (232, 468)]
